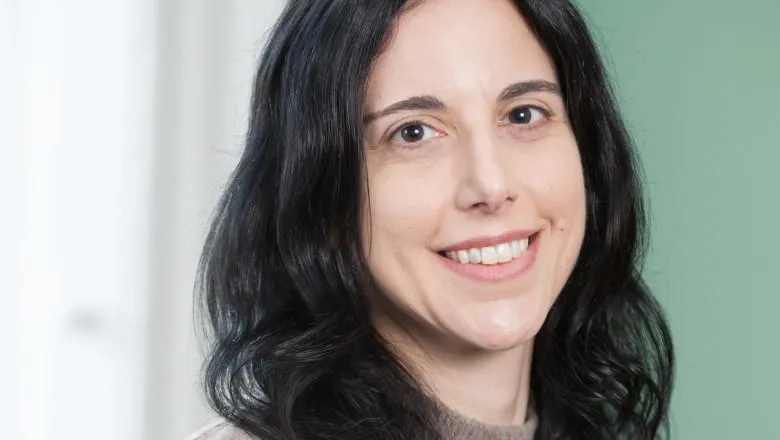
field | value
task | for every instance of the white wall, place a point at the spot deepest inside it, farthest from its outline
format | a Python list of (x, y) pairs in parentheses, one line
[(209, 50), (120, 120)]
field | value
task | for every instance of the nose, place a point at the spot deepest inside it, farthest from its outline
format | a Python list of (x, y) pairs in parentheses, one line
[(486, 184)]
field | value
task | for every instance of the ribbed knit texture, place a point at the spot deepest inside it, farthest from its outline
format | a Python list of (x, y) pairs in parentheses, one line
[(453, 427)]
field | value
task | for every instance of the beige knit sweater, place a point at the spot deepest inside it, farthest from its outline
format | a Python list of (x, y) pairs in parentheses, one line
[(453, 427)]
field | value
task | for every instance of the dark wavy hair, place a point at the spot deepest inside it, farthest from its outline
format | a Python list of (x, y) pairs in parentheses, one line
[(283, 278)]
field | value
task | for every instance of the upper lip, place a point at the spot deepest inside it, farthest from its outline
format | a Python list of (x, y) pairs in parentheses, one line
[(484, 241)]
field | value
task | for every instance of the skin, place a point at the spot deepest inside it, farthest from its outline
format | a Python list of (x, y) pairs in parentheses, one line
[(468, 169)]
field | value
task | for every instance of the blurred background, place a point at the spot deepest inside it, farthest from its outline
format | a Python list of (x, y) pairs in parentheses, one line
[(121, 119), (120, 122)]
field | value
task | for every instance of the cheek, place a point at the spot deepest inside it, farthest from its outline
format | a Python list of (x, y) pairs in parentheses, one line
[(559, 188), (402, 209), (558, 184), (403, 212)]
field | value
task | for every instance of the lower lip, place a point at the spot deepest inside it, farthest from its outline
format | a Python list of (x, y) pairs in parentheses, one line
[(496, 272)]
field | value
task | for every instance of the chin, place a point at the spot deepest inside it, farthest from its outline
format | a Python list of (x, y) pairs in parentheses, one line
[(498, 327), (501, 341)]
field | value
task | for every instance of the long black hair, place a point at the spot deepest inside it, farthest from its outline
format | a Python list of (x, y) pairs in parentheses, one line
[(283, 277)]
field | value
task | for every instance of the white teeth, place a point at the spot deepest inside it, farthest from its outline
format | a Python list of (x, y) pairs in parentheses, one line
[(516, 249), (504, 252), (523, 243), (490, 255)]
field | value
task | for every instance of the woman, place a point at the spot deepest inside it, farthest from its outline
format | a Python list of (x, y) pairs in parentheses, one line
[(434, 232)]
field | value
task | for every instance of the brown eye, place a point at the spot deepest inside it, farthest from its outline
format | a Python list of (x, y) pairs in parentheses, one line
[(525, 115), (413, 132)]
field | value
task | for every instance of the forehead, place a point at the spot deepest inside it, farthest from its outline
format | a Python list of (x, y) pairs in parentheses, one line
[(457, 47)]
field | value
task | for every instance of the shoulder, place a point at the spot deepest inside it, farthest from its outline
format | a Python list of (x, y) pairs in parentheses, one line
[(220, 430)]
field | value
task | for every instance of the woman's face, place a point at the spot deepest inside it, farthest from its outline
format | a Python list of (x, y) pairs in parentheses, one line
[(476, 208)]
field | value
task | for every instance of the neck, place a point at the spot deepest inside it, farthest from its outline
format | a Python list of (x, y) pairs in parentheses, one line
[(491, 387)]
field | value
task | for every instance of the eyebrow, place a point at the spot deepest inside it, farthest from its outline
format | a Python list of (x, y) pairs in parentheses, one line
[(414, 103), (428, 102), (522, 88)]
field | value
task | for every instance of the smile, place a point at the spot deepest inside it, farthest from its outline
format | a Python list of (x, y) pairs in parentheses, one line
[(505, 257), (489, 255)]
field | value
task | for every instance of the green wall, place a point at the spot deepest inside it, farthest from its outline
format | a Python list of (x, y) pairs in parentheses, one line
[(699, 85)]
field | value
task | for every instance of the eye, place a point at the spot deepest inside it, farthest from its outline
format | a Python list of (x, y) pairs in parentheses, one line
[(414, 132), (526, 115)]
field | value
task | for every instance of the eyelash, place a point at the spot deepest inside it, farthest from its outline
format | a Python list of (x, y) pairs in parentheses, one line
[(546, 114), (398, 130)]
